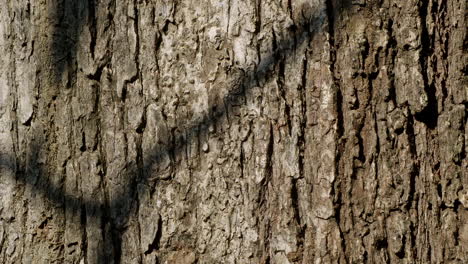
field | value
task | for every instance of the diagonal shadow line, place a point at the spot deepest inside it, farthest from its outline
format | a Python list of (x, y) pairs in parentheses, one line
[(120, 208)]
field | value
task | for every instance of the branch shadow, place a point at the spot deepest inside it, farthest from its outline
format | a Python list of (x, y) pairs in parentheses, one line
[(64, 46), (70, 17)]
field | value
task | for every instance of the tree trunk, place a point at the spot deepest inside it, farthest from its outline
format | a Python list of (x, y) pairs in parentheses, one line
[(231, 131)]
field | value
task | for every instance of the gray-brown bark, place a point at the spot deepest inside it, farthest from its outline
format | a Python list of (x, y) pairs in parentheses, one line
[(228, 131)]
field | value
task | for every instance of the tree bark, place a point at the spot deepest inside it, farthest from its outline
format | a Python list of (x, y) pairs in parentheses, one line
[(229, 131)]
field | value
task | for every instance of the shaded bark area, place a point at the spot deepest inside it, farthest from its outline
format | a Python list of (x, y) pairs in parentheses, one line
[(225, 131)]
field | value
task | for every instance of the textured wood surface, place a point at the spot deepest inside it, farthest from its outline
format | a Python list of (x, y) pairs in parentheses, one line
[(230, 131)]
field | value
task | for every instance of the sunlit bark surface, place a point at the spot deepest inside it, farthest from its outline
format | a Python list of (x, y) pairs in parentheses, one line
[(233, 131)]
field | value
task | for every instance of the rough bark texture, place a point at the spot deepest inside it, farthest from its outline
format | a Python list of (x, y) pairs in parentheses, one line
[(233, 131)]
